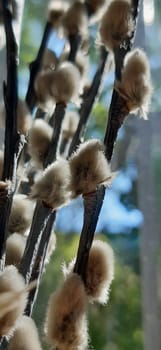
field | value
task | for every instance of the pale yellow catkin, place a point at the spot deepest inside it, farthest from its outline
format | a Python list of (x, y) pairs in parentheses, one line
[(12, 281), (25, 336), (21, 214), (52, 186), (89, 168), (66, 324), (117, 23), (135, 85), (39, 140)]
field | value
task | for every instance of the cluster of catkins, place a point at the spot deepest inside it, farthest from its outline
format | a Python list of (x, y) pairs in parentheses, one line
[(66, 179), (66, 324), (60, 82)]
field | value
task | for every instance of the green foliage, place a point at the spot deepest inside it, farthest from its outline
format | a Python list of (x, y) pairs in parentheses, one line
[(116, 326)]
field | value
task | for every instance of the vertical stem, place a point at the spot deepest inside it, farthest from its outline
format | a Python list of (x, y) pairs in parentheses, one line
[(92, 207), (35, 67), (39, 263), (74, 41), (57, 119), (40, 219), (13, 141), (88, 103)]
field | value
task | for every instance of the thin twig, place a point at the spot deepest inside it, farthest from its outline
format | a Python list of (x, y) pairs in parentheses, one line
[(88, 102), (57, 119), (13, 140), (35, 67), (39, 263), (40, 219), (42, 213)]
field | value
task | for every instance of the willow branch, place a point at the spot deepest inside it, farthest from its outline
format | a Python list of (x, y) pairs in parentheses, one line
[(39, 262), (74, 41), (35, 67), (118, 110), (88, 102), (92, 207), (42, 213), (13, 141), (56, 123)]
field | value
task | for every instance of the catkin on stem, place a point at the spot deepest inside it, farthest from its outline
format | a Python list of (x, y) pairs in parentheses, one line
[(59, 86), (89, 168), (25, 336), (52, 186), (135, 85), (117, 24), (12, 281), (39, 140), (66, 324), (21, 214), (15, 247)]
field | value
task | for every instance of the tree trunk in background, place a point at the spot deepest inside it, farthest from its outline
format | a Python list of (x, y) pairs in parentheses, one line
[(150, 240)]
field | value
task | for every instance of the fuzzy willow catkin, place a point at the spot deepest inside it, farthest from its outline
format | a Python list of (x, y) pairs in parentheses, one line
[(21, 214), (75, 20), (25, 336), (100, 271), (69, 124), (12, 281), (52, 186), (39, 140), (15, 247), (66, 324), (89, 168), (59, 86), (56, 9), (135, 85), (117, 23), (24, 118)]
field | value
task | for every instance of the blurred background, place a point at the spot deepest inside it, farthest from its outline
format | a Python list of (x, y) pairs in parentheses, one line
[(130, 219)]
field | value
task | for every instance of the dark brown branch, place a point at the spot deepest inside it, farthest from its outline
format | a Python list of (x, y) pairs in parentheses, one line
[(39, 263), (40, 219), (93, 202), (56, 122), (92, 207), (88, 103), (35, 67), (118, 109), (13, 141), (41, 213), (74, 41)]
